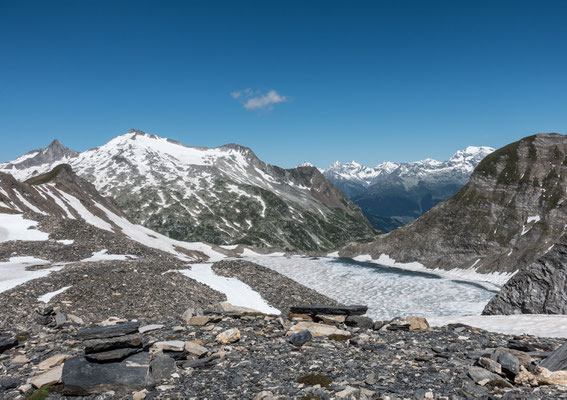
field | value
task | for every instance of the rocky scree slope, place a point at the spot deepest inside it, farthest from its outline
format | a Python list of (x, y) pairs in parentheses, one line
[(215, 354), (224, 195), (393, 194), (67, 207), (509, 214)]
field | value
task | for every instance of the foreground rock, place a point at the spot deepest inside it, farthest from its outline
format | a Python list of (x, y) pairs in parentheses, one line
[(329, 310), (81, 377), (282, 359)]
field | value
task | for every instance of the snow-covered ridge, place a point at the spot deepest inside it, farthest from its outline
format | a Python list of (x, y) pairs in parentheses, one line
[(50, 199)]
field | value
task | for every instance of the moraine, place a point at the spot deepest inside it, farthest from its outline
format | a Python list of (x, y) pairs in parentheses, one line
[(388, 292)]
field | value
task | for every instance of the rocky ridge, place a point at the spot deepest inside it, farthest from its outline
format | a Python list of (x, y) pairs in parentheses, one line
[(70, 208), (509, 214), (224, 195)]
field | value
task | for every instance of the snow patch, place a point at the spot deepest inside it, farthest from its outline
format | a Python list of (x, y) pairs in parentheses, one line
[(237, 292), (85, 213), (103, 256), (28, 204), (155, 240), (66, 242), (14, 272), (48, 296), (15, 227)]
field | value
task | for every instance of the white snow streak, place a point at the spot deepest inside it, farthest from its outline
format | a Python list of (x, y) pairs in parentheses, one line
[(237, 292), (48, 296)]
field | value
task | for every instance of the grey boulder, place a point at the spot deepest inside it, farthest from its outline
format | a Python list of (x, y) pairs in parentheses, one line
[(81, 377)]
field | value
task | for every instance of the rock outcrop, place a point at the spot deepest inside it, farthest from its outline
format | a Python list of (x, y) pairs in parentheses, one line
[(538, 288)]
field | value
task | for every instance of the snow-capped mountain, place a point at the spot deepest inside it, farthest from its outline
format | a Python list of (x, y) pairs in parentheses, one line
[(221, 195), (392, 194)]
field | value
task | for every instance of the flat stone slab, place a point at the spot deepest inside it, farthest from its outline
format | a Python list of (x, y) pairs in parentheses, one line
[(149, 328), (557, 360), (99, 345), (112, 355), (50, 377), (81, 377), (317, 329), (103, 332), (329, 310), (7, 343)]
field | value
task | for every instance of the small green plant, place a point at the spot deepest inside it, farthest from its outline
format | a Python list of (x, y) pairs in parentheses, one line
[(39, 394)]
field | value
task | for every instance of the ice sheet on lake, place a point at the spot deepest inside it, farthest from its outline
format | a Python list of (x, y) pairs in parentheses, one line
[(14, 273), (532, 324), (388, 292), (237, 292), (498, 279)]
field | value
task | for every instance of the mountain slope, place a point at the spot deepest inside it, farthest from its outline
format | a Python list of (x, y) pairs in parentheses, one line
[(223, 195), (508, 214), (393, 194), (64, 204)]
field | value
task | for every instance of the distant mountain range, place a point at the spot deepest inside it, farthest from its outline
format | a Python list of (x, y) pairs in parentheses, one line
[(393, 194), (222, 195)]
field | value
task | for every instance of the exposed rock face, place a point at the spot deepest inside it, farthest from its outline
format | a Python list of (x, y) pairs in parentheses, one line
[(508, 214), (539, 288), (223, 195), (393, 194)]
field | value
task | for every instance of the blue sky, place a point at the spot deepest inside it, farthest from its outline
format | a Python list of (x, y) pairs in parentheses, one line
[(294, 80)]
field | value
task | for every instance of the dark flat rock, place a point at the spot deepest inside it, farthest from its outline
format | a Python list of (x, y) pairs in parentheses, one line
[(557, 361), (81, 377), (329, 310), (359, 321), (100, 345), (112, 355), (102, 332), (300, 338), (162, 367), (7, 344)]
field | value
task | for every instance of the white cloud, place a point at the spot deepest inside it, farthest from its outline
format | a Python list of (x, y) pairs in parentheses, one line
[(256, 100)]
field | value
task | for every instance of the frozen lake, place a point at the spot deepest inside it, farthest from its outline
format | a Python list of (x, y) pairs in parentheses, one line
[(388, 292)]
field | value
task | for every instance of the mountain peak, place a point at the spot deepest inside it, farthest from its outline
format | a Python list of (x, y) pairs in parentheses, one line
[(136, 131)]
